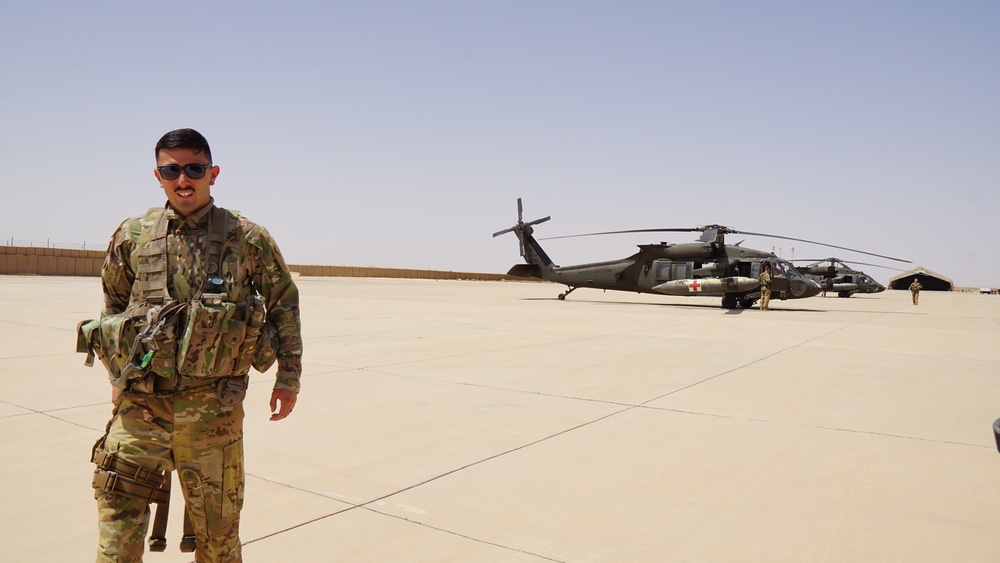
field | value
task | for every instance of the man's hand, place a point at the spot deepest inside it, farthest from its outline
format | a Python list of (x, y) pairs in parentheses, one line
[(115, 394), (286, 398)]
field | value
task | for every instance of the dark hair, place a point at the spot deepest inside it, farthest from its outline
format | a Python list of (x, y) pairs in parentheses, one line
[(184, 139)]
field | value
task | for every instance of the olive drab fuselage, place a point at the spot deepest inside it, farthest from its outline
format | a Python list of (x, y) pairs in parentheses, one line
[(704, 268), (707, 267)]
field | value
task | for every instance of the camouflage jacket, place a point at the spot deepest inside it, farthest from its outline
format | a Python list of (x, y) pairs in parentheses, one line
[(251, 263)]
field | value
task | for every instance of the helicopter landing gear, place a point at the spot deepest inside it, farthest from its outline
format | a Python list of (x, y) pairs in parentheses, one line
[(729, 301), (747, 303), (562, 296), (843, 294)]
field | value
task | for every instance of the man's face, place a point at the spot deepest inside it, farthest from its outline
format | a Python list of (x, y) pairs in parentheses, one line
[(186, 195)]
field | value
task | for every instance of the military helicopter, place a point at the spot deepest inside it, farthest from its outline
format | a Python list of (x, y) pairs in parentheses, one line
[(839, 276), (707, 267)]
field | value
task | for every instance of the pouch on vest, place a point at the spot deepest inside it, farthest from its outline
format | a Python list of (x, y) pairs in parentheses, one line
[(84, 334), (160, 338), (114, 339), (255, 318), (266, 349), (212, 337)]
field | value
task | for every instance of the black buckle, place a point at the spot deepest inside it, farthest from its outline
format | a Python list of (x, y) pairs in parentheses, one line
[(157, 544)]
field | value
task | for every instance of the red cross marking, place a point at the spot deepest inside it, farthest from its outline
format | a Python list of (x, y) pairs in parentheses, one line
[(695, 285)]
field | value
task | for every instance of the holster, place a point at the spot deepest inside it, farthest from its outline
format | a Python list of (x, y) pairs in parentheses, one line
[(150, 486)]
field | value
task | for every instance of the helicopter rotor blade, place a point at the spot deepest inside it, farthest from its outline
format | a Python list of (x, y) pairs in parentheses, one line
[(720, 229), (521, 228), (848, 265), (627, 231), (817, 261), (822, 244)]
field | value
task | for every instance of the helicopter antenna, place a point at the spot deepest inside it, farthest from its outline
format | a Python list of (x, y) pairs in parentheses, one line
[(521, 228)]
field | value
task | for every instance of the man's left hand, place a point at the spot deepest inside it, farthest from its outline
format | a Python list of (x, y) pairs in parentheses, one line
[(287, 400)]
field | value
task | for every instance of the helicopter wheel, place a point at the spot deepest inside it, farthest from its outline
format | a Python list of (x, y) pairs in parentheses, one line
[(729, 301), (746, 303), (843, 294), (562, 296)]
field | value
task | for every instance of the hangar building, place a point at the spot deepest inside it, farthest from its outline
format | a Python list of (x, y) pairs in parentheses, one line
[(929, 279)]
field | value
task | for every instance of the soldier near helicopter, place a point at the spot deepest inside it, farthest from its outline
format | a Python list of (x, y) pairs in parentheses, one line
[(915, 288), (765, 287), (194, 296)]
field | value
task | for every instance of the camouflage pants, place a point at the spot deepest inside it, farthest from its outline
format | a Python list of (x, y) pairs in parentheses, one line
[(191, 433), (916, 296), (765, 298)]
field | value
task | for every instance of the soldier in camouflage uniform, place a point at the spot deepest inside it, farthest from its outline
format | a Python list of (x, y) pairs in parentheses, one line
[(184, 277), (765, 287), (915, 288)]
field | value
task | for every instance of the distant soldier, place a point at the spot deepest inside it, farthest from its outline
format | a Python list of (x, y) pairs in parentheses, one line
[(765, 287), (915, 288)]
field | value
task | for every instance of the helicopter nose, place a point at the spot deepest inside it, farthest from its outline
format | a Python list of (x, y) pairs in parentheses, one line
[(808, 287)]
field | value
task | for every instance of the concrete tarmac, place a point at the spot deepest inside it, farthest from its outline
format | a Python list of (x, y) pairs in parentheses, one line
[(445, 421)]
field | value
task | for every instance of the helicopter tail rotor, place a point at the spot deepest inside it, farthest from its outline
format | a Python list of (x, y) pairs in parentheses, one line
[(521, 228)]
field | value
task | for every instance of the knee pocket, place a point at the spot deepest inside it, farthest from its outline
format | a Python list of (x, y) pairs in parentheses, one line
[(215, 489)]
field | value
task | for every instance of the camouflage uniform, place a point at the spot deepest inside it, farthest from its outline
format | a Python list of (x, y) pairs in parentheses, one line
[(765, 289), (915, 288), (172, 422)]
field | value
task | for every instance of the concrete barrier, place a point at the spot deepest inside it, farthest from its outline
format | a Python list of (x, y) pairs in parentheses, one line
[(41, 261)]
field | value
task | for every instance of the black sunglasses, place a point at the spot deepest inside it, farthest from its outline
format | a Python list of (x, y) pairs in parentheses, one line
[(173, 171)]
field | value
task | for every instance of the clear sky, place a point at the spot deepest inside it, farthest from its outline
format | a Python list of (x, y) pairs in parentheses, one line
[(399, 134)]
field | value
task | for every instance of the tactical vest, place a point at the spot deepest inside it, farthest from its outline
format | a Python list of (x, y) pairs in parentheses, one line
[(215, 334)]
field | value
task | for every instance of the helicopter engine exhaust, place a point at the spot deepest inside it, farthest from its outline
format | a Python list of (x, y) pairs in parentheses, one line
[(736, 284)]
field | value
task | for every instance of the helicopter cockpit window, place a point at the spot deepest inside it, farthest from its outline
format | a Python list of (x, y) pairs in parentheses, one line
[(792, 272), (782, 268)]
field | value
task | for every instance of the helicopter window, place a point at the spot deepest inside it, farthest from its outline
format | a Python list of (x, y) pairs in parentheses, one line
[(681, 271), (782, 268), (663, 270)]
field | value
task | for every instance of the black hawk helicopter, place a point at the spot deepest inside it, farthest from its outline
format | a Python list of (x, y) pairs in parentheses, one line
[(707, 267), (841, 277)]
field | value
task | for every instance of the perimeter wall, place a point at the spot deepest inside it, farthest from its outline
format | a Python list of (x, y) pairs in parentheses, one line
[(40, 261)]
